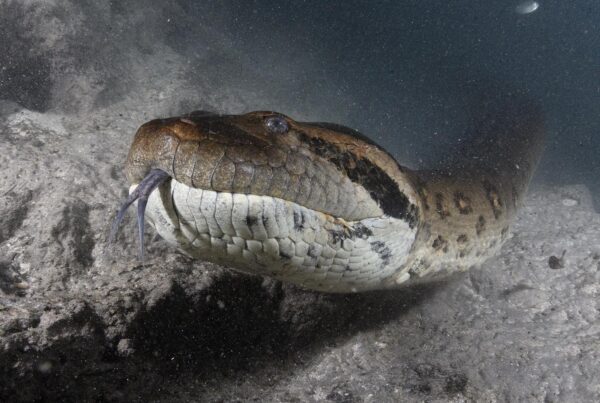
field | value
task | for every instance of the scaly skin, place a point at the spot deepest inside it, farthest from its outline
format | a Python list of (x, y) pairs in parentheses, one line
[(322, 206)]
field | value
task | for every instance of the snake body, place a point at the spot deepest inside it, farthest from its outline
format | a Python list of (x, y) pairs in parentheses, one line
[(321, 205)]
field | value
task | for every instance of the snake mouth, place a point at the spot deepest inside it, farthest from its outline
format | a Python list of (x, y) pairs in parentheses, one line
[(156, 177), (153, 180), (269, 236)]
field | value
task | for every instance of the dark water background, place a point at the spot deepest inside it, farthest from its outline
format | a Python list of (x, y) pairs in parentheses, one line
[(399, 71), (401, 68)]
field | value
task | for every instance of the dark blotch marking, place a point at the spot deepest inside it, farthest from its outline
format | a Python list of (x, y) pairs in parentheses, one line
[(284, 255), (383, 251), (347, 268), (463, 203), (361, 231), (320, 146), (440, 243), (299, 220), (337, 235), (480, 226), (345, 130), (312, 251), (251, 220), (462, 238), (493, 198), (439, 206), (379, 184), (504, 233)]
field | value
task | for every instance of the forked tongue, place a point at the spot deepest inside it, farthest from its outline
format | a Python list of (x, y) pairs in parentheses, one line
[(141, 193)]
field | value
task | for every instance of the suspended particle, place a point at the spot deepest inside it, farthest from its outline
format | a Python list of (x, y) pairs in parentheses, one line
[(527, 7)]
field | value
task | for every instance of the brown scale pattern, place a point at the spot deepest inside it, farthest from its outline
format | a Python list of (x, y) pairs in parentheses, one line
[(463, 210), (325, 170)]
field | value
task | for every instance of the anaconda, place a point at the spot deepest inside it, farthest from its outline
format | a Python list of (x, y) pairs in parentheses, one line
[(321, 205)]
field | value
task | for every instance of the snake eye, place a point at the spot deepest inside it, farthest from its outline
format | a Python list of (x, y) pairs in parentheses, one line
[(276, 124)]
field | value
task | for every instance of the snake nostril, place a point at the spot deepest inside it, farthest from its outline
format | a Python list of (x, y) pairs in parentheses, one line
[(276, 124)]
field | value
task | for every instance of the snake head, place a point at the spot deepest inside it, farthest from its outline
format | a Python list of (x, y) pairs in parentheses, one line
[(266, 194), (317, 165)]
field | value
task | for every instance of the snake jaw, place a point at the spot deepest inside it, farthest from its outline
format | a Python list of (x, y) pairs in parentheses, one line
[(150, 182), (322, 206)]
